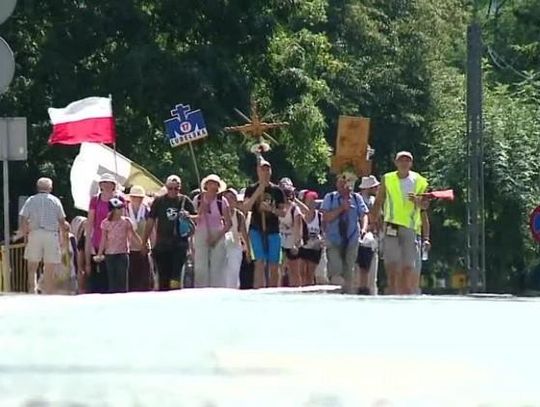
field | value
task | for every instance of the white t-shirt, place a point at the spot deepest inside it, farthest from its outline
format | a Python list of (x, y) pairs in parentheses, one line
[(407, 185), (314, 229), (286, 225), (234, 232)]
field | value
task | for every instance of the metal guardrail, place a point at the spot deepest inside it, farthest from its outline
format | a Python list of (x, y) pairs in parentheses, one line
[(19, 271)]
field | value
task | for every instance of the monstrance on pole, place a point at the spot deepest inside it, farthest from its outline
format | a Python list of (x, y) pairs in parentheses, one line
[(256, 128)]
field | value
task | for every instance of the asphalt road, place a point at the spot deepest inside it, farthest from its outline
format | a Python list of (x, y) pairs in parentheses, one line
[(267, 348)]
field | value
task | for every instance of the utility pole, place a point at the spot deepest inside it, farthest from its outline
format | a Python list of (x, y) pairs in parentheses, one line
[(475, 148), (10, 128)]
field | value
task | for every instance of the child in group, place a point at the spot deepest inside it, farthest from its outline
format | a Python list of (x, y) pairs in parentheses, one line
[(118, 230)]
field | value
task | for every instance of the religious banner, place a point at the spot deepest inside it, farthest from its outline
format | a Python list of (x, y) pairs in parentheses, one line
[(352, 149), (185, 126), (95, 160)]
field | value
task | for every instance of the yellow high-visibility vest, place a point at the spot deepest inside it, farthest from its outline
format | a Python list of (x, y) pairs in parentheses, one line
[(398, 208)]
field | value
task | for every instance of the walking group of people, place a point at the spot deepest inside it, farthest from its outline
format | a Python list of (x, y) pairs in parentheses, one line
[(267, 235)]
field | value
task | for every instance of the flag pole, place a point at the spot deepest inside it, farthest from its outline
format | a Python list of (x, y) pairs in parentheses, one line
[(195, 163), (114, 149)]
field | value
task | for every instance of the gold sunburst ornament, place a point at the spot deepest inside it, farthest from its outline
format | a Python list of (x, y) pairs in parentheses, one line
[(255, 131)]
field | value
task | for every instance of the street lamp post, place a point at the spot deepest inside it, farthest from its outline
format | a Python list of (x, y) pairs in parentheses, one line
[(475, 150)]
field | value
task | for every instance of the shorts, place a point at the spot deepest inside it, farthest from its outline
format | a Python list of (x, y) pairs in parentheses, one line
[(364, 257), (269, 253), (43, 245), (290, 255), (401, 249), (310, 255)]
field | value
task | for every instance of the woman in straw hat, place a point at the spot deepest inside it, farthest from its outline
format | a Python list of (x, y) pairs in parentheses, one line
[(98, 212), (213, 222)]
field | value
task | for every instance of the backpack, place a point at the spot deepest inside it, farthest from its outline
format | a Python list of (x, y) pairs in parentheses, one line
[(356, 198), (239, 217), (219, 204), (220, 209), (305, 231), (355, 195), (309, 243), (185, 225)]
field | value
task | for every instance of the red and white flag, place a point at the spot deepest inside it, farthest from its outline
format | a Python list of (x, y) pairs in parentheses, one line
[(447, 194), (87, 120)]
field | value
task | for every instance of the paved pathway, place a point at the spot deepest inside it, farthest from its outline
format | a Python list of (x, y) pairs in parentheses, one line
[(267, 348)]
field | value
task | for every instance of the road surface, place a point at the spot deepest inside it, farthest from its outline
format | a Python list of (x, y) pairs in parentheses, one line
[(267, 348)]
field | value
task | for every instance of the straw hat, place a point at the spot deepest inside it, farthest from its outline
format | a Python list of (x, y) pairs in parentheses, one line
[(286, 183), (137, 191), (232, 191), (214, 178), (369, 182), (107, 178)]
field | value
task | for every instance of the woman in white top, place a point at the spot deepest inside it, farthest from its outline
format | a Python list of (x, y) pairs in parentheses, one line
[(311, 251), (237, 241), (137, 209), (290, 227)]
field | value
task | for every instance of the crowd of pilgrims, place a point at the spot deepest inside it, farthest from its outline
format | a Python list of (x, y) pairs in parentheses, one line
[(211, 237)]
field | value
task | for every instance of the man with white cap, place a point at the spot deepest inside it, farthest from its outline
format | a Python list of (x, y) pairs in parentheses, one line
[(266, 201), (400, 194), (168, 213)]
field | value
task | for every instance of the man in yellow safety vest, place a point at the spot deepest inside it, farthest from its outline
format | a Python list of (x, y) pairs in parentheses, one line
[(400, 194)]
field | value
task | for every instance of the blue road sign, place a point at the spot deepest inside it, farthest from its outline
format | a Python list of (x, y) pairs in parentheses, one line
[(185, 126), (535, 224)]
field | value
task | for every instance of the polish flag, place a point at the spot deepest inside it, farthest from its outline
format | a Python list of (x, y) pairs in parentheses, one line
[(447, 194), (87, 120)]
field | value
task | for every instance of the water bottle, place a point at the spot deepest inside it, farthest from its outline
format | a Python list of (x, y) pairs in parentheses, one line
[(425, 251), (189, 275)]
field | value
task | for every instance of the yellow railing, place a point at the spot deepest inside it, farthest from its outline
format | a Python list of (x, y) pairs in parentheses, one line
[(19, 273)]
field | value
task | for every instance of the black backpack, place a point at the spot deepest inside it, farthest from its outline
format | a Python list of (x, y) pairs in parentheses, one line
[(305, 231)]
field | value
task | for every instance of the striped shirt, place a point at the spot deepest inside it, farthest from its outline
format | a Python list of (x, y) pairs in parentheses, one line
[(43, 211)]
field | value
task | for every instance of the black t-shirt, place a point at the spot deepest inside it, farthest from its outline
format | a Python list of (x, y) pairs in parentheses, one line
[(275, 197), (165, 211)]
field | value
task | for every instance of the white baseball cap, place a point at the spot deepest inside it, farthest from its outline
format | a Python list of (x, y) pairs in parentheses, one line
[(171, 179), (404, 154)]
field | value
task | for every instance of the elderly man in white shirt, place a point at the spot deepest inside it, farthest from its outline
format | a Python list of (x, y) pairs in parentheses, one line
[(42, 217)]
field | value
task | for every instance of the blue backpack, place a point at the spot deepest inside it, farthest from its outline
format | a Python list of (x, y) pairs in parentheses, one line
[(185, 225)]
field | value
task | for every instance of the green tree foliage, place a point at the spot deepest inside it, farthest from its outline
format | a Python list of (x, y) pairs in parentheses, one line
[(401, 63)]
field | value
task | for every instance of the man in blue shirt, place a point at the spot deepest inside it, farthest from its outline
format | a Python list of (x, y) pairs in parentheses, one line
[(345, 217)]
